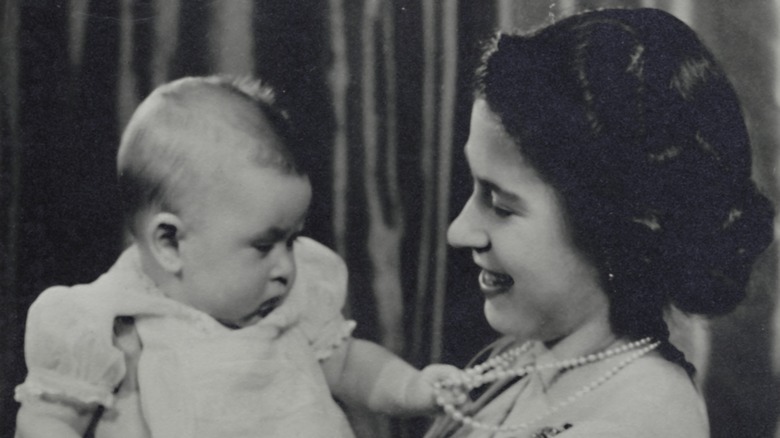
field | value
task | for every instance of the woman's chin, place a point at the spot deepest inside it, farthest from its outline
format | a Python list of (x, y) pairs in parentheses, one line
[(500, 315)]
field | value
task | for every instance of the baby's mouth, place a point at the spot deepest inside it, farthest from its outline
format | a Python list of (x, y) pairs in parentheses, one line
[(268, 306), (262, 311), (494, 282)]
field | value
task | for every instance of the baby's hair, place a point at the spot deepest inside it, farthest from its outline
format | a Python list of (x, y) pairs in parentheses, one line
[(628, 115), (179, 135)]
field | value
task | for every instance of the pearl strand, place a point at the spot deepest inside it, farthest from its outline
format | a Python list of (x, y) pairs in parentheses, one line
[(454, 413), (498, 367)]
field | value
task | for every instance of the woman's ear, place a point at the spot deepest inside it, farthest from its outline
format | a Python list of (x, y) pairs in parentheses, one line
[(163, 232)]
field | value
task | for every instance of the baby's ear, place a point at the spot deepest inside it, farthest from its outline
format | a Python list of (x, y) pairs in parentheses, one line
[(163, 232)]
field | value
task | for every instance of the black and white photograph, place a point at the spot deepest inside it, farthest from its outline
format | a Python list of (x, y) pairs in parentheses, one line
[(389, 218)]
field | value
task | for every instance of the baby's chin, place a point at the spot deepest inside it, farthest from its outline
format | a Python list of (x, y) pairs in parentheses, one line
[(253, 318)]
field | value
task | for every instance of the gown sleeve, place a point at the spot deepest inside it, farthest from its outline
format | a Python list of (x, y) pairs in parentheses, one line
[(320, 290), (69, 351)]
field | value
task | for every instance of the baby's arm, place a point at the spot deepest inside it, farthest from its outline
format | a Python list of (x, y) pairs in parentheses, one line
[(42, 418), (74, 366), (365, 373), (38, 418), (357, 371)]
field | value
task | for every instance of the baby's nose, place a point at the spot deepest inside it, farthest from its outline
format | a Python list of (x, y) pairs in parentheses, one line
[(284, 270)]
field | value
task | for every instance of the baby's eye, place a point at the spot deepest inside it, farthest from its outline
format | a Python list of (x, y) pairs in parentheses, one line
[(264, 248), (291, 240)]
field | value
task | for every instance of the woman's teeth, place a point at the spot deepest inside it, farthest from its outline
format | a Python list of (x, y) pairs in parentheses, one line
[(494, 282)]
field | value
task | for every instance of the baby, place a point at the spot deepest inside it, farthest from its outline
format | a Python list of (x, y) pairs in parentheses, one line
[(219, 320)]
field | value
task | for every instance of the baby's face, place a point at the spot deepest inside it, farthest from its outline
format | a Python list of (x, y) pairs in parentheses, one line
[(237, 244)]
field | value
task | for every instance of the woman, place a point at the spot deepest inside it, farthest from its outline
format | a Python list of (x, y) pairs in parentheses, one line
[(611, 171)]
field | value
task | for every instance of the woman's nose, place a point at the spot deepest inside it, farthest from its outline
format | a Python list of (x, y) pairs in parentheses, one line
[(465, 231)]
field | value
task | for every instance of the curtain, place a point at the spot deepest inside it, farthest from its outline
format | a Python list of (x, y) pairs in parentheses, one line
[(382, 91)]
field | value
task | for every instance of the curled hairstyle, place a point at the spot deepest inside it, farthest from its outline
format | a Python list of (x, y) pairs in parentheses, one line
[(164, 148), (629, 117)]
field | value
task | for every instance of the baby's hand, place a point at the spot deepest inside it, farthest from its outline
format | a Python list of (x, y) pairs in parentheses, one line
[(421, 392)]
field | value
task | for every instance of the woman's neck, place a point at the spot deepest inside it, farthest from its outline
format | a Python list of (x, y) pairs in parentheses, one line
[(595, 336)]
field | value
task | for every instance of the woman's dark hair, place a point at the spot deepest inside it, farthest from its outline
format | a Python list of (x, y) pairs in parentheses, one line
[(628, 115)]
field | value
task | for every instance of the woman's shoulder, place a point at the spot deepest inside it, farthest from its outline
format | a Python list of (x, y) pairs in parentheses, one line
[(652, 397), (653, 378)]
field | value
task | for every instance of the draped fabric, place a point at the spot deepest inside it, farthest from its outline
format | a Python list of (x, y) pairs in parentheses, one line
[(380, 90)]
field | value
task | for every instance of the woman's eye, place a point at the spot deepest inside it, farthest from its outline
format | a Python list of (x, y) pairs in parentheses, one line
[(496, 206), (488, 198), (501, 212)]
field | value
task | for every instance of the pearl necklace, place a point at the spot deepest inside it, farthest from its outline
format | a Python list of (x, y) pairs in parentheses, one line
[(498, 368)]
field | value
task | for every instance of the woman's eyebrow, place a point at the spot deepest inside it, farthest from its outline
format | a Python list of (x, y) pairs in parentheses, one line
[(504, 194)]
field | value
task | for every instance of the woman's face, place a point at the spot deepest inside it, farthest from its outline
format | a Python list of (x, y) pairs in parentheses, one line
[(536, 284)]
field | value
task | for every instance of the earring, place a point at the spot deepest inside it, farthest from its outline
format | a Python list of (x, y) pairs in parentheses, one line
[(610, 274)]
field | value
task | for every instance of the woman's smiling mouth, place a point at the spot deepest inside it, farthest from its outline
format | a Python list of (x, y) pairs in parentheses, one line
[(493, 283)]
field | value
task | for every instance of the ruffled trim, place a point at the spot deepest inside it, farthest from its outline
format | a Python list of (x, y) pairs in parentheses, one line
[(49, 386), (325, 349)]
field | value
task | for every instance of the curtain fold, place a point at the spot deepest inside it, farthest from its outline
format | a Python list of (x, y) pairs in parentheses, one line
[(11, 175), (430, 25), (381, 190)]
